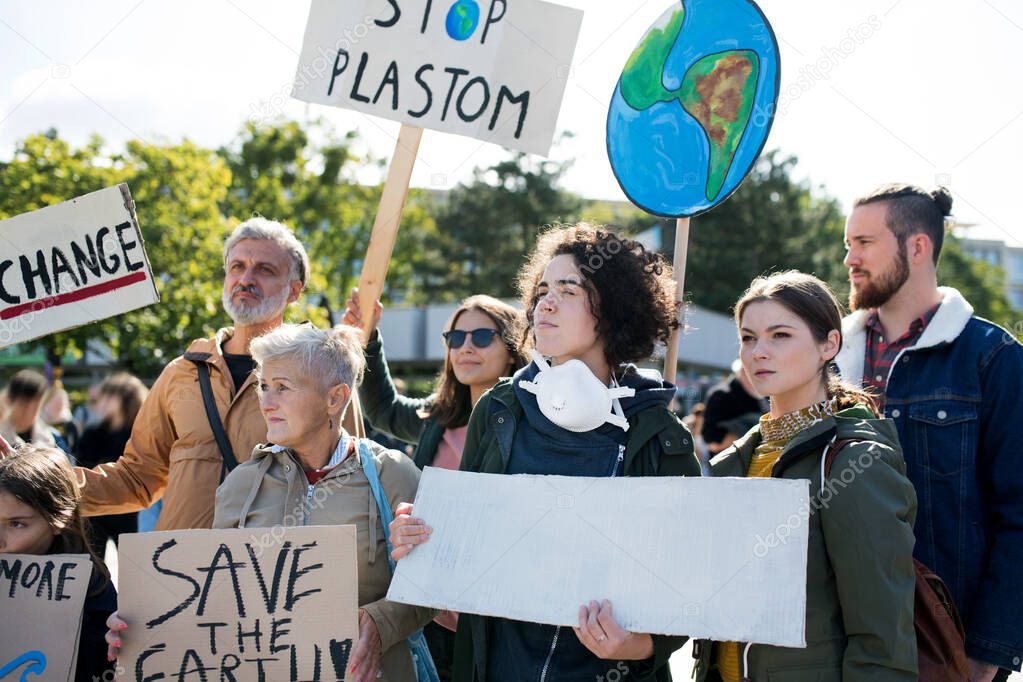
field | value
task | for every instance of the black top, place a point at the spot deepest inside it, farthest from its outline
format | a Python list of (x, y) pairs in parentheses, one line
[(26, 436), (241, 367), (99, 443), (92, 647), (726, 401)]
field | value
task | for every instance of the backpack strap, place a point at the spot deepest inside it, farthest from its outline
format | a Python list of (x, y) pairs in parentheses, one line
[(228, 460), (426, 670), (830, 452), (369, 467)]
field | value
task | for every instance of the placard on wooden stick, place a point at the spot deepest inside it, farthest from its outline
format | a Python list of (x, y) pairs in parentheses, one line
[(490, 69), (41, 599), (275, 603), (70, 264), (691, 114)]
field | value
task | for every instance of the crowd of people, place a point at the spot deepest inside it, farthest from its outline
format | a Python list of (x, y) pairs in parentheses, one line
[(910, 390)]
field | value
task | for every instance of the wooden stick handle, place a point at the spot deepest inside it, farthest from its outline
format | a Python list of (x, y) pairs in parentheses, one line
[(385, 227), (679, 267)]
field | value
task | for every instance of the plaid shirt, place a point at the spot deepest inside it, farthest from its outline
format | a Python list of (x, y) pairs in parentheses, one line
[(880, 355)]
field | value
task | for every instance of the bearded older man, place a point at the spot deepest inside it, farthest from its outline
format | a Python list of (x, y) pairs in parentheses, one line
[(187, 437)]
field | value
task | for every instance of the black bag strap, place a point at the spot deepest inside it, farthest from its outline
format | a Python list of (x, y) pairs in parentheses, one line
[(206, 388)]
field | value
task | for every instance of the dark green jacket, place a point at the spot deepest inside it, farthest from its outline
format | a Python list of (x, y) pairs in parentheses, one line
[(658, 445), (860, 577), (397, 415)]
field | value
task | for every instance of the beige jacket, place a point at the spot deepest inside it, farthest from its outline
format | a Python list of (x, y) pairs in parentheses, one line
[(172, 452), (271, 489)]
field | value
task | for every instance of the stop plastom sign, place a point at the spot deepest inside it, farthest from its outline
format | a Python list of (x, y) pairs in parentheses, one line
[(70, 264), (494, 70)]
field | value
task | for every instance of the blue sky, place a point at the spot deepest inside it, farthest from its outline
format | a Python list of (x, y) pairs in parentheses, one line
[(923, 91)]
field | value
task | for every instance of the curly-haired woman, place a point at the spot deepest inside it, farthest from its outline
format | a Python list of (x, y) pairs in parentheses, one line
[(595, 303)]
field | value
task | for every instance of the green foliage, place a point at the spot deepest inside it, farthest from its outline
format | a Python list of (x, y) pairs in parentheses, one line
[(279, 172), (981, 283), (771, 223), (486, 228), (175, 188), (472, 239)]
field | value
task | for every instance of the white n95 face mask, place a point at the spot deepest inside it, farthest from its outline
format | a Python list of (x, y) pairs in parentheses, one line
[(571, 397)]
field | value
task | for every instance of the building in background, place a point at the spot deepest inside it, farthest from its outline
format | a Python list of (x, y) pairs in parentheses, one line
[(708, 345), (1009, 258)]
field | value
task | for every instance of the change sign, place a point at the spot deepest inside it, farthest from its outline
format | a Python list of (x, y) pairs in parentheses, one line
[(71, 264), (41, 599), (490, 69), (240, 604)]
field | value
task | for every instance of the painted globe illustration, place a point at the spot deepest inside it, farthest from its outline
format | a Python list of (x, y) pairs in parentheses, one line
[(694, 105), (463, 17)]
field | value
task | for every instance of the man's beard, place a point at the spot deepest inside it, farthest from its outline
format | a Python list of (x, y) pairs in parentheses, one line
[(870, 294), (263, 311)]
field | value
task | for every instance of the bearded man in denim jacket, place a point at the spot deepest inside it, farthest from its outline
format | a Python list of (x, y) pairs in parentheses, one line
[(951, 382)]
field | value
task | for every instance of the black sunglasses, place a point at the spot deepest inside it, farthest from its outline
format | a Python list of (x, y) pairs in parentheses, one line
[(481, 338)]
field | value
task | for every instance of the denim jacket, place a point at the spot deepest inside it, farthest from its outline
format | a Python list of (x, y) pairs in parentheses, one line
[(955, 399)]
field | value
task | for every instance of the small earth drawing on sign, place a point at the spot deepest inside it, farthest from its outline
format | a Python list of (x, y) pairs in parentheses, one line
[(462, 19)]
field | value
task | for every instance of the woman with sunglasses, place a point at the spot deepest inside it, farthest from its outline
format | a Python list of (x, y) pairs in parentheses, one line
[(483, 340), (596, 303)]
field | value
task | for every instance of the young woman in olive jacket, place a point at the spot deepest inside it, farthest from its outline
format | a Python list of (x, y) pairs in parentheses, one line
[(860, 577)]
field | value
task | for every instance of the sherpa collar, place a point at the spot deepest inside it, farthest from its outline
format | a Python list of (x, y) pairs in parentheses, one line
[(945, 327)]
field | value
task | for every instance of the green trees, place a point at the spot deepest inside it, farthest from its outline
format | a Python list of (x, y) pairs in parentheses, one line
[(278, 171), (486, 227), (176, 189), (470, 240)]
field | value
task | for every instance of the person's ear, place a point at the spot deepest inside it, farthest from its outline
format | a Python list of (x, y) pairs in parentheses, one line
[(295, 290), (919, 248), (337, 398), (831, 345)]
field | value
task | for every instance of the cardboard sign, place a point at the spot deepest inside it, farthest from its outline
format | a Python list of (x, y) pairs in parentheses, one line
[(490, 69), (694, 105), (715, 558), (41, 599), (245, 604), (71, 264)]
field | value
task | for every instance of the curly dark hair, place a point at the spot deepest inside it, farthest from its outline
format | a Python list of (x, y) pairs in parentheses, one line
[(630, 290)]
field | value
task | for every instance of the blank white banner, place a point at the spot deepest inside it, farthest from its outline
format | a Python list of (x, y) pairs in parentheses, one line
[(723, 559)]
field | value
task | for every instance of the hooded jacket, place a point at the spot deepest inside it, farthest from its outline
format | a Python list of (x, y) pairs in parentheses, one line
[(860, 578), (271, 489)]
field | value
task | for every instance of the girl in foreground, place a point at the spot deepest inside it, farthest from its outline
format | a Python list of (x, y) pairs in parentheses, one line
[(39, 514)]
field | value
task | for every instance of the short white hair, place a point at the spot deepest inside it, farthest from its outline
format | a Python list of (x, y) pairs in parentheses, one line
[(278, 233), (331, 356)]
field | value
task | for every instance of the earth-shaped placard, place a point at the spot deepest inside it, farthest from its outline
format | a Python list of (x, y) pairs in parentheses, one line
[(693, 107)]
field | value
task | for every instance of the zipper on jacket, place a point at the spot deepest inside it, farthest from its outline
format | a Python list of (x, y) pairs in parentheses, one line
[(744, 671), (550, 655), (618, 462), (308, 510)]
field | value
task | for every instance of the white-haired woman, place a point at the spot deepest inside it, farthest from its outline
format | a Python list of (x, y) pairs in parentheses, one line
[(306, 377)]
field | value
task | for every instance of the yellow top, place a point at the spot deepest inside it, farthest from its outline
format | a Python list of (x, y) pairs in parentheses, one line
[(776, 434)]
